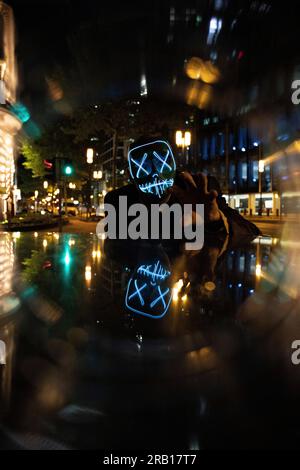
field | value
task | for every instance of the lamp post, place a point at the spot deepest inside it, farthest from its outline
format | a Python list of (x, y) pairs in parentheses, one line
[(90, 161), (261, 169), (36, 195), (97, 175), (183, 140)]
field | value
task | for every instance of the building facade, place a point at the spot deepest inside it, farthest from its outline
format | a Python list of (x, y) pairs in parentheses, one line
[(9, 123)]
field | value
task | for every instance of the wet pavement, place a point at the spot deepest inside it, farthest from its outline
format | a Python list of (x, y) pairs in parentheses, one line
[(142, 346)]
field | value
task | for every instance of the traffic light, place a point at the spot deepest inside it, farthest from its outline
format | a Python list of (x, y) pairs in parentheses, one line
[(67, 168), (50, 169), (48, 164), (56, 168)]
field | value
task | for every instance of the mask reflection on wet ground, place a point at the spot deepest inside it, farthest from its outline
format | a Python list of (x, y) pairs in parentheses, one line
[(112, 346)]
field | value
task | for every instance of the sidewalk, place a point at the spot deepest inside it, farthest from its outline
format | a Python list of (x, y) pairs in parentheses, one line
[(272, 219)]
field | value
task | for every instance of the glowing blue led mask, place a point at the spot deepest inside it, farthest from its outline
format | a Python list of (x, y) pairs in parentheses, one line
[(148, 291), (152, 167)]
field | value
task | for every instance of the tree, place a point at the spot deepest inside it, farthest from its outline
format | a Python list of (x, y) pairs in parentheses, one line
[(129, 119), (53, 143), (33, 156)]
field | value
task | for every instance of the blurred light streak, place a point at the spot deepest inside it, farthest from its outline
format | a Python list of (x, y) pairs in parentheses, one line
[(193, 68), (206, 71), (199, 95), (88, 274), (6, 264), (176, 289), (210, 286), (2, 353), (55, 90), (292, 149), (67, 258), (258, 271)]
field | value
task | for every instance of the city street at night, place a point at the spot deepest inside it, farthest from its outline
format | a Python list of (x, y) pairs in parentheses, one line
[(149, 229)]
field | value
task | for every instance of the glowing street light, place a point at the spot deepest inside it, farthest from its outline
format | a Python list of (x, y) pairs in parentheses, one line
[(183, 140), (90, 156), (258, 271), (261, 170), (97, 175), (179, 138), (187, 139), (261, 166), (88, 274)]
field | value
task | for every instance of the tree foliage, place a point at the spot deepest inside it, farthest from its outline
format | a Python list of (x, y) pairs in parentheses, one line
[(53, 143), (33, 158), (129, 118)]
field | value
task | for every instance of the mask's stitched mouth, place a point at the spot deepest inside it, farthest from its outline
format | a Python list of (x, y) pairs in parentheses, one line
[(156, 272), (157, 187)]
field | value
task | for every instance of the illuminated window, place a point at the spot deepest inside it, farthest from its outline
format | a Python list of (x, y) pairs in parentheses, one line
[(221, 149), (242, 138), (215, 27), (213, 147), (244, 171), (255, 171), (205, 149), (219, 4), (232, 171)]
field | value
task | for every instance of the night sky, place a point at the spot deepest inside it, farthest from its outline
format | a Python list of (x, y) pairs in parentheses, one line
[(97, 50), (92, 44)]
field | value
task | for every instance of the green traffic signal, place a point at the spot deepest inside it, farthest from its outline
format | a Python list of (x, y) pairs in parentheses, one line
[(68, 170)]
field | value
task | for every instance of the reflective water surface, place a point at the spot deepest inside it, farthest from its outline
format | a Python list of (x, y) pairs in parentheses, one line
[(113, 346)]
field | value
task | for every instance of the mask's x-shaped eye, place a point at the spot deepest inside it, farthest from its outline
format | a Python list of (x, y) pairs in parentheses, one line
[(163, 164), (160, 298), (142, 166), (137, 292)]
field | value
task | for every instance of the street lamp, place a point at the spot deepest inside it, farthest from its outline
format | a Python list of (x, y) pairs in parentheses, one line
[(97, 175), (261, 166), (183, 140), (90, 156), (187, 139), (90, 161), (261, 169), (179, 138)]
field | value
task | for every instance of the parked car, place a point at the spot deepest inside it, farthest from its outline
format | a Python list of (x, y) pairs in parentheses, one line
[(72, 209)]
